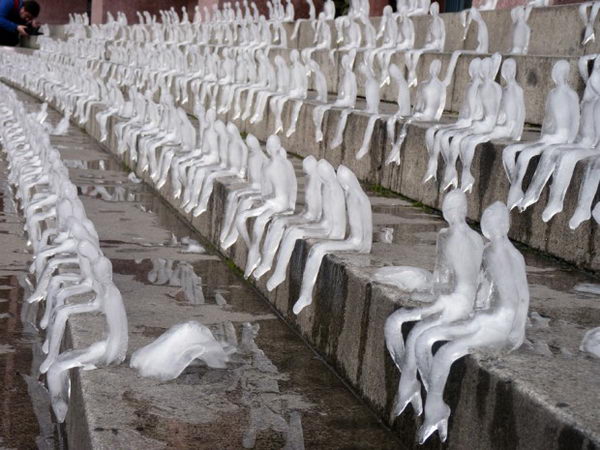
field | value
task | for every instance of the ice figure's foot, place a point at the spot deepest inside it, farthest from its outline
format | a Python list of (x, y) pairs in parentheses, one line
[(467, 182), (551, 209), (35, 297), (450, 182), (362, 152), (103, 138), (275, 280), (228, 242), (436, 420), (260, 271), (46, 365), (302, 303), (154, 176), (319, 136), (385, 82), (580, 216), (189, 207), (515, 195), (431, 173), (177, 193), (199, 210), (335, 143), (252, 262), (45, 346), (160, 183), (60, 408), (408, 392), (290, 132)]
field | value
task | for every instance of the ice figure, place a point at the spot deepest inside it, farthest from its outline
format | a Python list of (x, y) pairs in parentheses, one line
[(402, 99), (296, 91), (589, 20), (346, 99), (278, 190), (372, 96), (438, 136), (456, 273), (490, 94), (473, 15), (330, 224), (560, 125), (174, 350), (244, 196), (429, 106), (559, 161), (591, 342), (311, 212), (359, 238), (499, 326), (521, 31)]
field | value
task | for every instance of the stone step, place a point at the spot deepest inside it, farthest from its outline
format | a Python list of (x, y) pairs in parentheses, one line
[(542, 396)]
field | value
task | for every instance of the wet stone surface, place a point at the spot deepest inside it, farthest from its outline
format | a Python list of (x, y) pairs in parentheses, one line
[(274, 393)]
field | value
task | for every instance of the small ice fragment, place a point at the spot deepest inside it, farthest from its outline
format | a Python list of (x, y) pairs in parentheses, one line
[(133, 178), (174, 350), (410, 279), (193, 246), (538, 321), (587, 288), (219, 299), (591, 342)]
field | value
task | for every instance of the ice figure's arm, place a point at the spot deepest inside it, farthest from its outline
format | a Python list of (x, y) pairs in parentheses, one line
[(442, 270), (484, 291)]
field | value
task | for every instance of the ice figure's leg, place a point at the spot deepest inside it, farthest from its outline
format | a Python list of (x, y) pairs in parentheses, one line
[(587, 192), (450, 179), (261, 103), (509, 158), (339, 134), (240, 222), (432, 142), (237, 107), (565, 164), (318, 114), (165, 167), (467, 152), (257, 233), (294, 118), (44, 279), (196, 190), (270, 246), (543, 172), (390, 127), (313, 265), (515, 193), (57, 329), (231, 204), (206, 191), (286, 249), (58, 300), (364, 149)]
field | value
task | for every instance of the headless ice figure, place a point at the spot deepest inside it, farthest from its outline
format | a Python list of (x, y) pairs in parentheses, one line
[(500, 326), (236, 198), (429, 106), (311, 213), (490, 93), (372, 96), (457, 266), (561, 122), (278, 190), (331, 223), (521, 31), (438, 136), (509, 125), (559, 162), (346, 97), (359, 238), (111, 350)]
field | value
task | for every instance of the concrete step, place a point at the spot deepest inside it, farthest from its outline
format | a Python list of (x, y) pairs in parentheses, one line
[(275, 384), (541, 396)]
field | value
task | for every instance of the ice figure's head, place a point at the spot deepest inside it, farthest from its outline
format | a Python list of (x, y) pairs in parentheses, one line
[(495, 221), (474, 67), (434, 68), (434, 9), (509, 70), (454, 207), (232, 129), (294, 56), (346, 59), (560, 72), (326, 171), (517, 13), (279, 61), (347, 178), (273, 145), (387, 11), (211, 115), (309, 164), (253, 143)]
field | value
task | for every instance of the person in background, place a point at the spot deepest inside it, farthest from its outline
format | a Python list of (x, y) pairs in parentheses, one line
[(17, 18)]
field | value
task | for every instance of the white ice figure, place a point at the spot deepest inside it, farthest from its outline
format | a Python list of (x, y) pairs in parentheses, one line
[(296, 92), (174, 350), (331, 223), (278, 189), (346, 98), (429, 106), (435, 41), (455, 281), (111, 350), (313, 206), (588, 12), (438, 136), (560, 125), (559, 162), (372, 96), (473, 15), (409, 279), (359, 238), (492, 119), (402, 100), (329, 9), (521, 31), (499, 326), (591, 342)]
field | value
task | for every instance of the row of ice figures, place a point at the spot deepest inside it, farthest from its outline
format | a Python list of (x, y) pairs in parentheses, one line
[(68, 262), (569, 136)]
